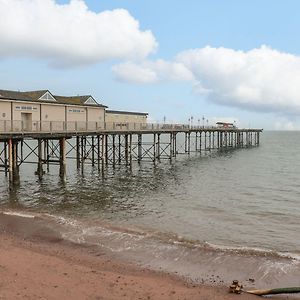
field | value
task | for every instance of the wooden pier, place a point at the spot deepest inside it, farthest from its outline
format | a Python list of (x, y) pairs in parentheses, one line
[(114, 145)]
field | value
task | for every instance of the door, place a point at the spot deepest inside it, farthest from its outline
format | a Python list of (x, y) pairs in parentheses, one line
[(26, 121)]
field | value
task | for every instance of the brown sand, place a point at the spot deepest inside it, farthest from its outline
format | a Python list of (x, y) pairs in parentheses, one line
[(35, 263)]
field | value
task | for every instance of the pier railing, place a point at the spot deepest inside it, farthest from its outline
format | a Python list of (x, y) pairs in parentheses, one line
[(8, 126)]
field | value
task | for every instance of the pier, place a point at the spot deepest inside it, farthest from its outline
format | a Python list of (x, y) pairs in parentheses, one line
[(110, 144)]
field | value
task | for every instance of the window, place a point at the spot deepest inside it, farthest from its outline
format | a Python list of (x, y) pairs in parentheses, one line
[(75, 110), (26, 107)]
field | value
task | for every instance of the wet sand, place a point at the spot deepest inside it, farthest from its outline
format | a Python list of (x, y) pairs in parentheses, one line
[(36, 263)]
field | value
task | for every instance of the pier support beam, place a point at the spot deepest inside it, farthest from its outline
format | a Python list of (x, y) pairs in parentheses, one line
[(39, 170), (62, 157), (139, 148), (13, 168)]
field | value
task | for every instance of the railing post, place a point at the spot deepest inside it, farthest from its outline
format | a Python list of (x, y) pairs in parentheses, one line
[(51, 126)]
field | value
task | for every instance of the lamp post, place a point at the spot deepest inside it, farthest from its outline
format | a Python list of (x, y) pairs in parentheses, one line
[(192, 118), (203, 119)]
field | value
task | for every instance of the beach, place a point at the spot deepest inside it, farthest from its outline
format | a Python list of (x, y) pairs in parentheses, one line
[(37, 263)]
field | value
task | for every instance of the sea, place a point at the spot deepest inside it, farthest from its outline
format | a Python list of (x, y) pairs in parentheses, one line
[(209, 218)]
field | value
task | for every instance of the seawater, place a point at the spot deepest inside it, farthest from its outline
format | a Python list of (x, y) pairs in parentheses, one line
[(244, 201)]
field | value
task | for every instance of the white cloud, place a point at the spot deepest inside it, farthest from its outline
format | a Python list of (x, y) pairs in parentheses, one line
[(134, 73), (261, 79), (70, 34), (152, 71)]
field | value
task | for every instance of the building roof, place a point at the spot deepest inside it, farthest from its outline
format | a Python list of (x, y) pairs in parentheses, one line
[(43, 96), (126, 112)]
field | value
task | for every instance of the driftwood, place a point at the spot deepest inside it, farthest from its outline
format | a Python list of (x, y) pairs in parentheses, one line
[(237, 288), (288, 290)]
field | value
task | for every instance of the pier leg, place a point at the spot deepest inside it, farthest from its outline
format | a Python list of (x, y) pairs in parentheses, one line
[(6, 165), (78, 152), (98, 151), (126, 149), (102, 151), (113, 150), (13, 162), (93, 151), (39, 170), (171, 147), (158, 147), (10, 161), (47, 154), (154, 147), (200, 142), (139, 148), (106, 149), (62, 158), (119, 148), (130, 149), (175, 144)]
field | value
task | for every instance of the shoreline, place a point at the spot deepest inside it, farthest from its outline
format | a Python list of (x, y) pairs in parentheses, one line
[(37, 263)]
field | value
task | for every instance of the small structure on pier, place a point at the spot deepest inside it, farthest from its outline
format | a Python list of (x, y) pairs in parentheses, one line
[(125, 116), (225, 125)]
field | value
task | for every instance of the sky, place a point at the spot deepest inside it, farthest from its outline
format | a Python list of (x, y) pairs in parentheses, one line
[(211, 60)]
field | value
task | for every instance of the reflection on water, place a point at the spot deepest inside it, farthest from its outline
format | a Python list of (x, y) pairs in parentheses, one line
[(247, 197)]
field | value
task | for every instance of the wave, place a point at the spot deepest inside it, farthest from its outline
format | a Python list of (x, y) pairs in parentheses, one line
[(83, 231), (106, 229)]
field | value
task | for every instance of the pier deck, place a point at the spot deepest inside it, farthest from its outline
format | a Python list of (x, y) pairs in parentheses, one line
[(110, 144)]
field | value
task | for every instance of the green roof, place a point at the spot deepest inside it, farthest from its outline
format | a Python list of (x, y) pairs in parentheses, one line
[(34, 96)]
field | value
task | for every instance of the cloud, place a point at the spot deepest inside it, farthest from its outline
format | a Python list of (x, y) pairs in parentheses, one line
[(261, 79), (70, 34), (152, 71), (134, 73)]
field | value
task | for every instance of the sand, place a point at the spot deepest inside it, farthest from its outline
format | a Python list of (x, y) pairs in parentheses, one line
[(36, 263)]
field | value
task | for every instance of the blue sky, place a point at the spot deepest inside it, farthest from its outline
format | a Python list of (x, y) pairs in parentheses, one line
[(235, 78)]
